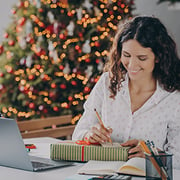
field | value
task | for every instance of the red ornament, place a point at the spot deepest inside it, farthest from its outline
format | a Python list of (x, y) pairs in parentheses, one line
[(62, 11), (53, 85), (13, 11), (40, 10), (11, 43), (111, 12), (87, 60), (61, 67), (41, 52), (6, 35), (74, 83), (26, 90), (80, 34), (70, 14), (31, 105), (70, 98), (79, 51), (21, 21), (55, 108), (20, 4), (122, 6), (62, 86), (29, 39), (67, 106), (95, 3), (31, 77), (18, 28), (45, 77), (97, 44), (97, 61), (50, 29), (96, 80), (45, 111), (77, 47), (1, 74), (62, 36), (1, 49), (9, 69), (52, 95), (38, 67), (87, 89)]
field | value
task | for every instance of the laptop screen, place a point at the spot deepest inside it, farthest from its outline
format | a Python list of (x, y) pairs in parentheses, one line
[(14, 154)]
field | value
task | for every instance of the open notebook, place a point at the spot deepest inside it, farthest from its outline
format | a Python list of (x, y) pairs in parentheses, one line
[(134, 166), (14, 154)]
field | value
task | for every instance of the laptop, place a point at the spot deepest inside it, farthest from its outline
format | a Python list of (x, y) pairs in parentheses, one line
[(14, 154)]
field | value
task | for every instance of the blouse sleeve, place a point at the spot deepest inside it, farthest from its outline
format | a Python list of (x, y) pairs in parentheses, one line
[(89, 118), (173, 139)]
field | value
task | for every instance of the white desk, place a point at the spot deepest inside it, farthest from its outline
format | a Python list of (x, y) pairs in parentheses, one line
[(43, 150)]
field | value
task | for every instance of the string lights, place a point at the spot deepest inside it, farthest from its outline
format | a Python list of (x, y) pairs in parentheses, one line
[(54, 55)]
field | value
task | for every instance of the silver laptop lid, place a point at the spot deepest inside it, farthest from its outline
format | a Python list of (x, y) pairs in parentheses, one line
[(12, 151)]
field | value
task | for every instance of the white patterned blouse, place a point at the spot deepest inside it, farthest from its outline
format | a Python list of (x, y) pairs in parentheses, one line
[(157, 120)]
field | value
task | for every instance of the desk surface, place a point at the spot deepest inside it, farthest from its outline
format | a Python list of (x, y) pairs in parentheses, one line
[(43, 150)]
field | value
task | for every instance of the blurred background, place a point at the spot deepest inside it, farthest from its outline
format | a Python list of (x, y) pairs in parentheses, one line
[(52, 52)]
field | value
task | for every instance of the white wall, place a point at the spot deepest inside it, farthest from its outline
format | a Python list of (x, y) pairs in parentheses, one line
[(171, 18), (5, 13), (149, 7)]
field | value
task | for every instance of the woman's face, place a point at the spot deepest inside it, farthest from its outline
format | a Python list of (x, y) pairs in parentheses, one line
[(137, 60)]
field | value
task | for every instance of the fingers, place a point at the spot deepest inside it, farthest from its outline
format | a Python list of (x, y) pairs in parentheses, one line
[(98, 134), (131, 143), (109, 130), (136, 152)]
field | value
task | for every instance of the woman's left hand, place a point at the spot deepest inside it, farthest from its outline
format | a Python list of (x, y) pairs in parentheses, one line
[(135, 149)]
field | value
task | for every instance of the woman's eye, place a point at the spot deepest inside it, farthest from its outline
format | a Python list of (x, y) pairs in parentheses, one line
[(142, 58), (126, 55)]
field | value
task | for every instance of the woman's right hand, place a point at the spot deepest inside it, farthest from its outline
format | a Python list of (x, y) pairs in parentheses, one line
[(98, 134)]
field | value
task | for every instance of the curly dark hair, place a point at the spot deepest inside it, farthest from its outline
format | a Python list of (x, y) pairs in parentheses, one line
[(150, 33)]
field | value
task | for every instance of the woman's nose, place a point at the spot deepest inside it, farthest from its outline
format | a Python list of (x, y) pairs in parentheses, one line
[(132, 63)]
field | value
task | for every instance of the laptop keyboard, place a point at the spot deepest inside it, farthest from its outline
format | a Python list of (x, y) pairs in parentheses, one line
[(39, 164)]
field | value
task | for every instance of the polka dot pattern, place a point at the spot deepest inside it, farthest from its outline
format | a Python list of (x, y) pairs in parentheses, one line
[(157, 120)]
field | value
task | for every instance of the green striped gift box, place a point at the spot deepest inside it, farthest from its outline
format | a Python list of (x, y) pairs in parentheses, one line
[(75, 152)]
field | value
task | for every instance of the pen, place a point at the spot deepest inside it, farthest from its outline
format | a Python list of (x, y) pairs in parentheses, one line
[(101, 123), (99, 118), (153, 159), (158, 159)]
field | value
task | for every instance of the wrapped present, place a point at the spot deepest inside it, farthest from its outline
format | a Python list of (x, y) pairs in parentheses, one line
[(70, 150)]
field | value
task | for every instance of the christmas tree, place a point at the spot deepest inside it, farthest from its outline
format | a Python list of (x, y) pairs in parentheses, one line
[(53, 53)]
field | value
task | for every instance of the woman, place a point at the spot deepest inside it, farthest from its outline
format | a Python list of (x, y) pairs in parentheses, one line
[(138, 97)]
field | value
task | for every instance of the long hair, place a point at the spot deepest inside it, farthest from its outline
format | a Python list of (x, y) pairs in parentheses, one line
[(150, 33)]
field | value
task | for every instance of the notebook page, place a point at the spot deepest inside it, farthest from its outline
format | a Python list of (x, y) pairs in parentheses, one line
[(100, 167)]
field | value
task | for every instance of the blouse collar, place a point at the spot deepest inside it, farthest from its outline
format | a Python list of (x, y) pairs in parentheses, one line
[(158, 95)]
